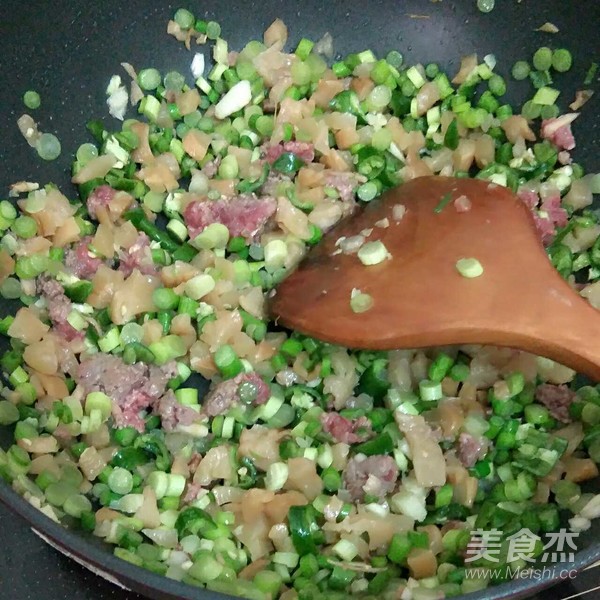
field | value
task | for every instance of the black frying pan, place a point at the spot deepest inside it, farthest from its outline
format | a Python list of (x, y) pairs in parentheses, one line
[(67, 51)]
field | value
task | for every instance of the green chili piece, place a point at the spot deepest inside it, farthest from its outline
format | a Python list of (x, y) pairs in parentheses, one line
[(288, 163)]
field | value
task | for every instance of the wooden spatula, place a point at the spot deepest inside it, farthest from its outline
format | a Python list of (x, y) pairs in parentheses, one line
[(419, 297)]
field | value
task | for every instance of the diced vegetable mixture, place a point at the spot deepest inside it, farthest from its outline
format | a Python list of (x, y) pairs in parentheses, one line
[(306, 470)]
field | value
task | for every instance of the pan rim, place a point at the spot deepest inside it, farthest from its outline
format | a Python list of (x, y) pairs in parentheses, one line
[(78, 548)]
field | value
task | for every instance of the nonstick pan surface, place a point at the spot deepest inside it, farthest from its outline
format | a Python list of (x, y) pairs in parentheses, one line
[(68, 50)]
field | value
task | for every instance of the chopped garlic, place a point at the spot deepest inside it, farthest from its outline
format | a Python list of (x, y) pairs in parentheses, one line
[(113, 85), (197, 65), (22, 187), (579, 524), (117, 98), (352, 244), (204, 309), (398, 212)]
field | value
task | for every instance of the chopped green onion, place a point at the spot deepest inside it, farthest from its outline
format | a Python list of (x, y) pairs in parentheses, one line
[(540, 78), (530, 110), (174, 81), (25, 227), (164, 299), (469, 267), (381, 140), (149, 107), (213, 30), (368, 191), (187, 396), (167, 348), (110, 340), (332, 479), (430, 390), (227, 361), (399, 548), (497, 85), (446, 198), (542, 58), (415, 77), (8, 210), (276, 476), (98, 401), (184, 18), (276, 253), (9, 413), (521, 70), (432, 70), (178, 229), (545, 96), (302, 526), (440, 366), (395, 59), (378, 98), (86, 152), (444, 495), (550, 111), (288, 163), (229, 169), (486, 6), (451, 139), (205, 568), (304, 48), (562, 60), (382, 444), (58, 493), (292, 347), (591, 74), (125, 436), (300, 72), (360, 302), (215, 235), (149, 79), (120, 481), (48, 147), (31, 99), (373, 253)]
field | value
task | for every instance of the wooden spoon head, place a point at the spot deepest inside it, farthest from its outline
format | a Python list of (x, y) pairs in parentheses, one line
[(419, 297)]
